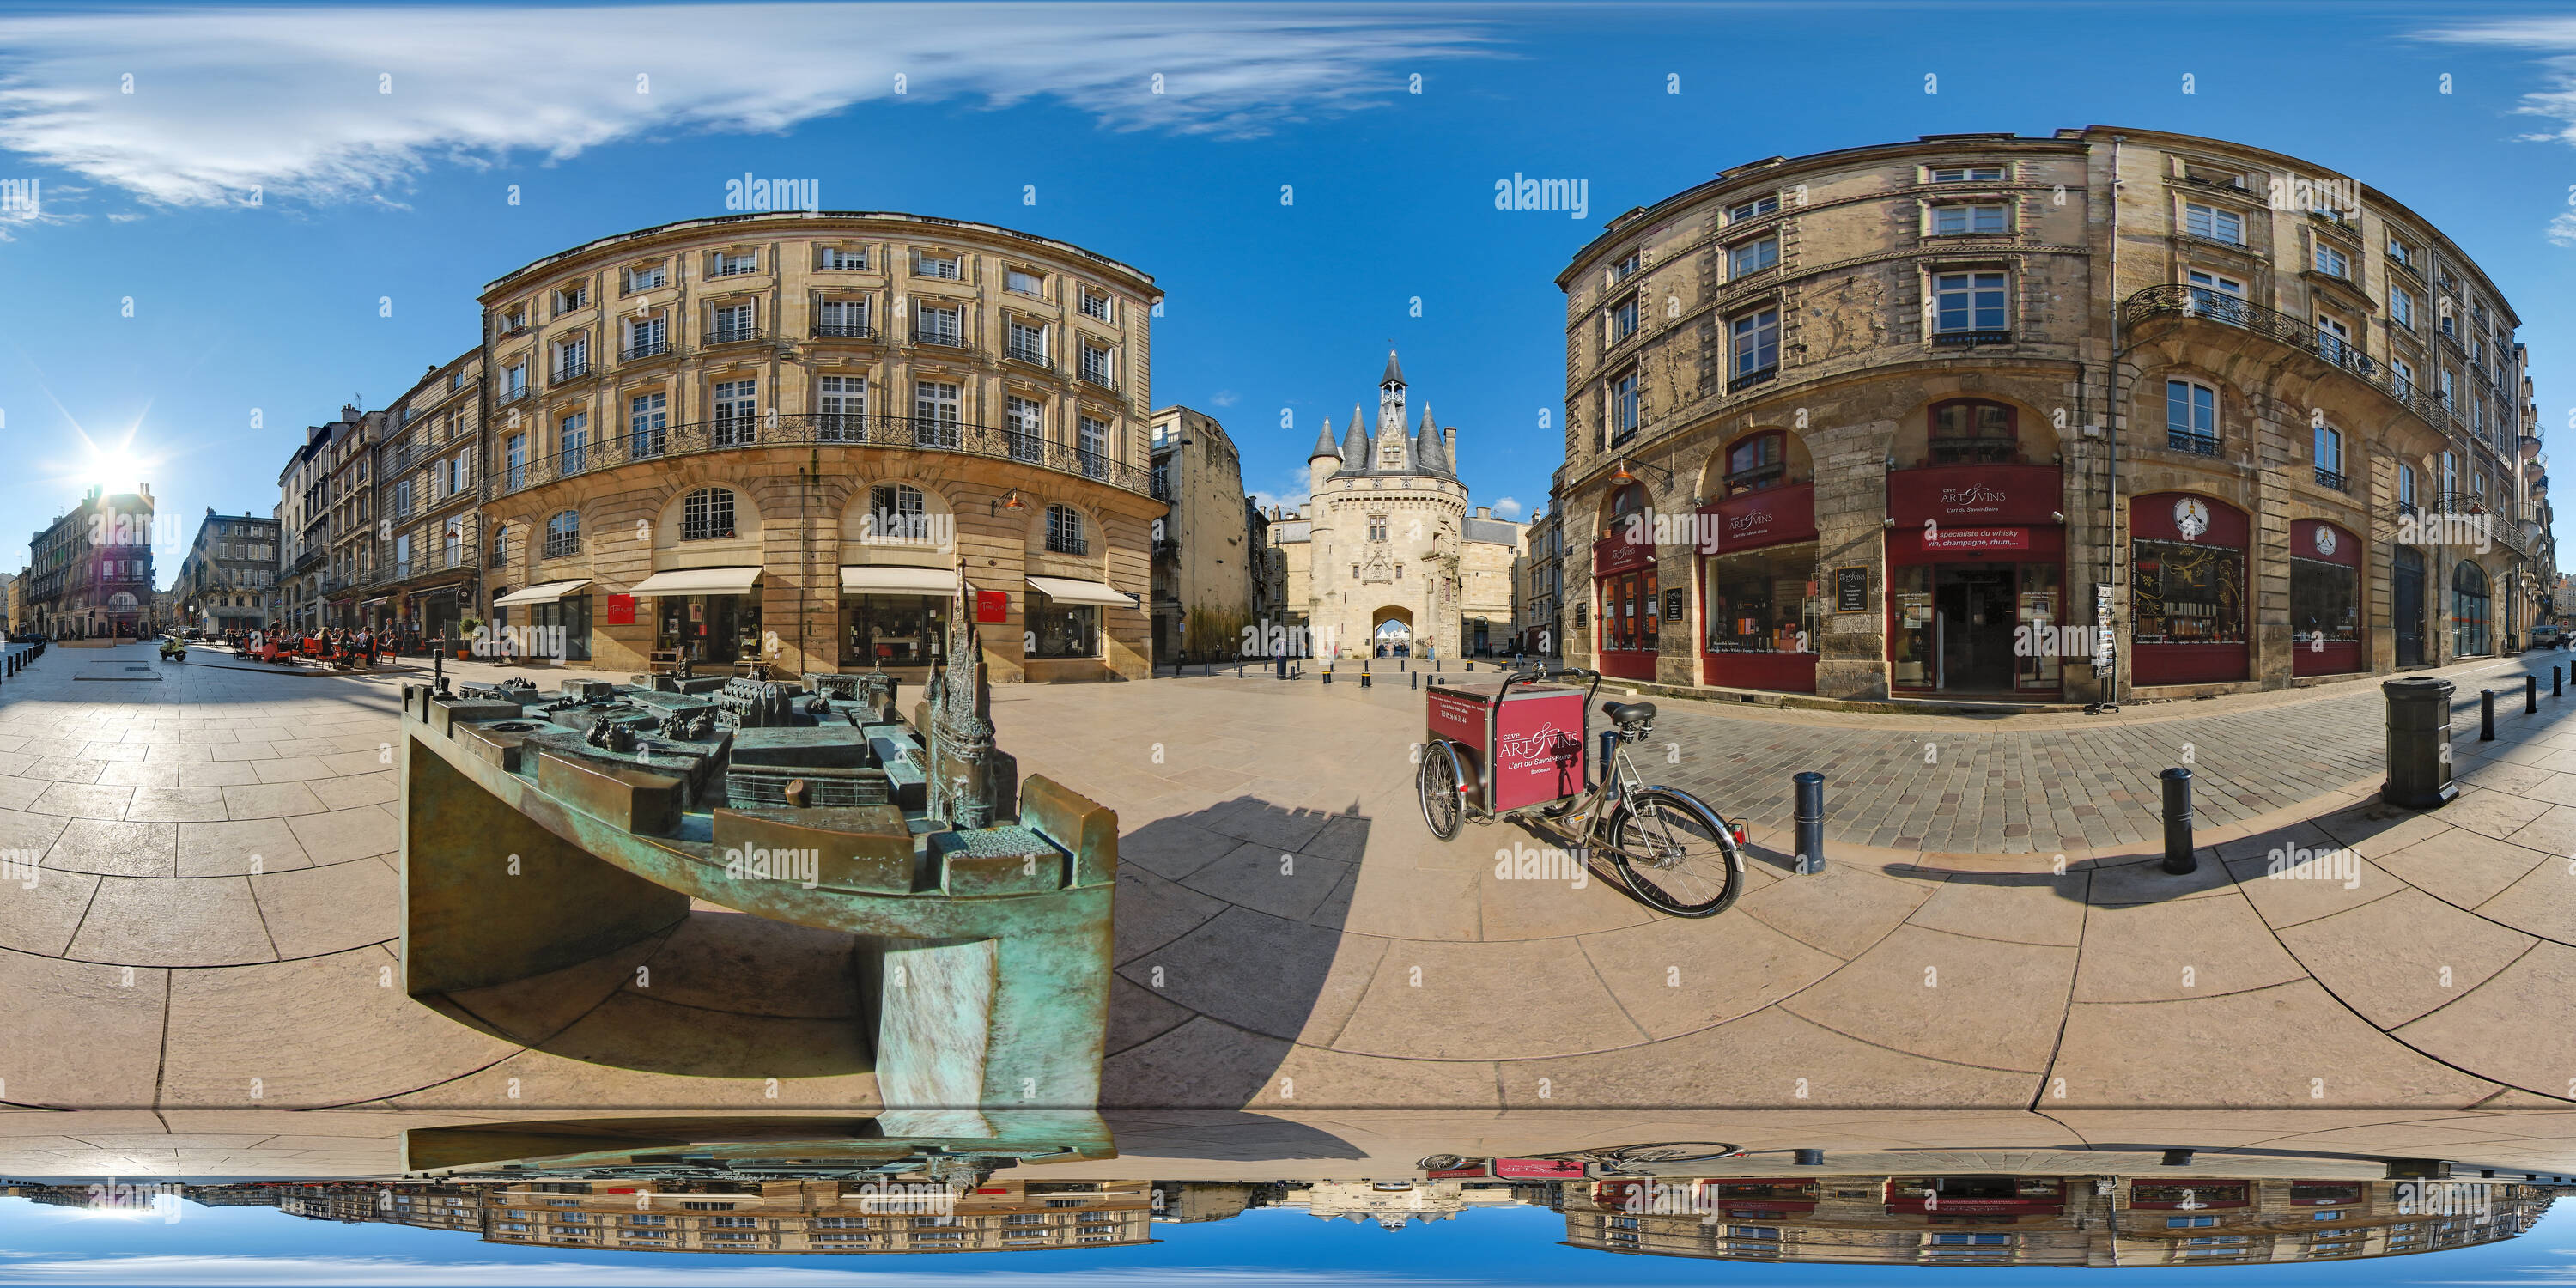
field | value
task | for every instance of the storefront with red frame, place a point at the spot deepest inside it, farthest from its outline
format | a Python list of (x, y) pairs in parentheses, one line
[(1627, 596), (1976, 600), (1761, 610), (2190, 1195), (2187, 590), (2325, 599)]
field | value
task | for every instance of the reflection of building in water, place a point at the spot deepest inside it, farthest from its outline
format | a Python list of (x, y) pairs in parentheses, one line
[(1394, 1204), (2044, 1220), (898, 1214)]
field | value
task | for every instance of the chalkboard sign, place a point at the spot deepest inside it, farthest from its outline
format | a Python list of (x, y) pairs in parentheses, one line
[(1672, 605), (1851, 590)]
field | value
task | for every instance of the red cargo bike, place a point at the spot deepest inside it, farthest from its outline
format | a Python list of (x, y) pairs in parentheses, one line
[(1515, 751)]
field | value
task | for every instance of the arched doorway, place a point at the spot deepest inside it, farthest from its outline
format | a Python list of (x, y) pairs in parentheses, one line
[(2472, 627), (1391, 632)]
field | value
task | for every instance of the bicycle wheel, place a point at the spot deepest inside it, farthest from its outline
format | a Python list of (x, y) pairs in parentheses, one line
[(1674, 853), (1444, 806), (1440, 1163)]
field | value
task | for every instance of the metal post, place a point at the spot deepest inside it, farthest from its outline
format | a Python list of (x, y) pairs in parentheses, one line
[(1283, 666), (2486, 715), (1811, 1158), (1328, 673), (2178, 856), (1809, 789), (2530, 693), (2553, 681), (1416, 678), (1364, 674)]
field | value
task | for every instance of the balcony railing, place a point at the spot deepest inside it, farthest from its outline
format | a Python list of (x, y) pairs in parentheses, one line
[(642, 349), (2282, 328), (1970, 339), (944, 339), (920, 433), (510, 394), (572, 369), (844, 331), (2330, 478), (2183, 440), (735, 335), (1031, 353), (1752, 378)]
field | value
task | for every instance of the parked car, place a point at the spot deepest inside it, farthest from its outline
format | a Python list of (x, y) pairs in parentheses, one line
[(2546, 635)]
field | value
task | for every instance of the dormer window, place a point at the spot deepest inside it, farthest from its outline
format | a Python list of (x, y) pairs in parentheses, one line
[(1754, 209), (1965, 174), (647, 277), (732, 263), (1624, 269), (571, 297), (1391, 456)]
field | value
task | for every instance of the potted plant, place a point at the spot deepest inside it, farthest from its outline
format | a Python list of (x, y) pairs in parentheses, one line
[(466, 628)]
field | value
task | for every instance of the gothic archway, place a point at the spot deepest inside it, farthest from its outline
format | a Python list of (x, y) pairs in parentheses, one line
[(1391, 632)]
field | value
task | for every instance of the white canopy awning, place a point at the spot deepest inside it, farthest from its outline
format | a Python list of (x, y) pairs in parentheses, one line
[(546, 593), (1065, 590), (698, 581), (890, 579)]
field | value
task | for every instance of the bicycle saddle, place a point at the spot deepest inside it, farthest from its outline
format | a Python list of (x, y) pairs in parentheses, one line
[(1630, 715)]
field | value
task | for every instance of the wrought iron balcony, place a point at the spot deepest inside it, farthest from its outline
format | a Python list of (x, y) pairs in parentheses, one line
[(735, 335), (1752, 378), (844, 331), (2182, 440), (1031, 353), (572, 369), (2195, 303), (1970, 339), (899, 432), (944, 339), (643, 349), (2332, 479), (510, 394)]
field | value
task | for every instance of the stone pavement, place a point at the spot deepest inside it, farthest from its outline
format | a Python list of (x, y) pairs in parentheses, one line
[(1291, 938), (1291, 935)]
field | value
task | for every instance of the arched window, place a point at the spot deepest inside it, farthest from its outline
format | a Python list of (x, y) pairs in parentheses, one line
[(1064, 531), (2191, 417), (563, 535), (1624, 502), (706, 514), (1757, 461), (501, 547), (1969, 431), (2330, 457), (897, 512), (2469, 623)]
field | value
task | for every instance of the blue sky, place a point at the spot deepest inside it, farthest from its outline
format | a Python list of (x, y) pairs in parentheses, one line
[(1520, 1245), (374, 202)]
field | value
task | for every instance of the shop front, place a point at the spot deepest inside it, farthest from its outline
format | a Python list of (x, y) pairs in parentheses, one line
[(1762, 615), (2187, 590), (556, 616), (2325, 599), (1624, 572), (436, 613), (1976, 578), (895, 617), (708, 615), (1975, 1195), (1064, 626)]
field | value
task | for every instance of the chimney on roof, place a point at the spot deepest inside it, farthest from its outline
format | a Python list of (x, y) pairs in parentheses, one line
[(1484, 512)]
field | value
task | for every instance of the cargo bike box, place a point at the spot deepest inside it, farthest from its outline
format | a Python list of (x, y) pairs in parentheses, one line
[(1528, 751)]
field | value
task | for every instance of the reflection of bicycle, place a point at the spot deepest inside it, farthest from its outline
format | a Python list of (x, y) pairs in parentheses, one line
[(1623, 1160), (1672, 851)]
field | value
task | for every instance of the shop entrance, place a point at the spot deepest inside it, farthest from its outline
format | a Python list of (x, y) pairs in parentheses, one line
[(1972, 608), (2408, 616)]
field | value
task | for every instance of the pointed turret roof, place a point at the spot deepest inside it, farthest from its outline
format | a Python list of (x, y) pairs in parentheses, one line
[(1430, 455), (1394, 374), (1324, 442), (1355, 446)]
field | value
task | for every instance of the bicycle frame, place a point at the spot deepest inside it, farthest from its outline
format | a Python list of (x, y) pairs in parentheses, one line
[(1479, 809)]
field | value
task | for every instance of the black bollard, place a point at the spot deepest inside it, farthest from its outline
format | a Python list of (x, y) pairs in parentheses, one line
[(2553, 682), (1399, 664), (2176, 1158), (2530, 693), (1416, 679), (1364, 675), (1811, 1158), (1283, 666), (1809, 789), (2178, 856), (2486, 715), (1328, 673)]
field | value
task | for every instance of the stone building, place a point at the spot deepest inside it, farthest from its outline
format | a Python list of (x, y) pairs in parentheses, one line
[(89, 572), (1914, 419), (786, 438), (426, 544), (2335, 1212), (1205, 562), (1536, 629), (348, 496), (308, 491), (224, 580), (1385, 557)]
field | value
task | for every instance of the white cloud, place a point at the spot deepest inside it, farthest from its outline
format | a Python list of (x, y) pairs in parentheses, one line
[(399, 1272), (2553, 35), (1287, 501), (289, 99), (1225, 398), (1507, 507), (2562, 229)]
